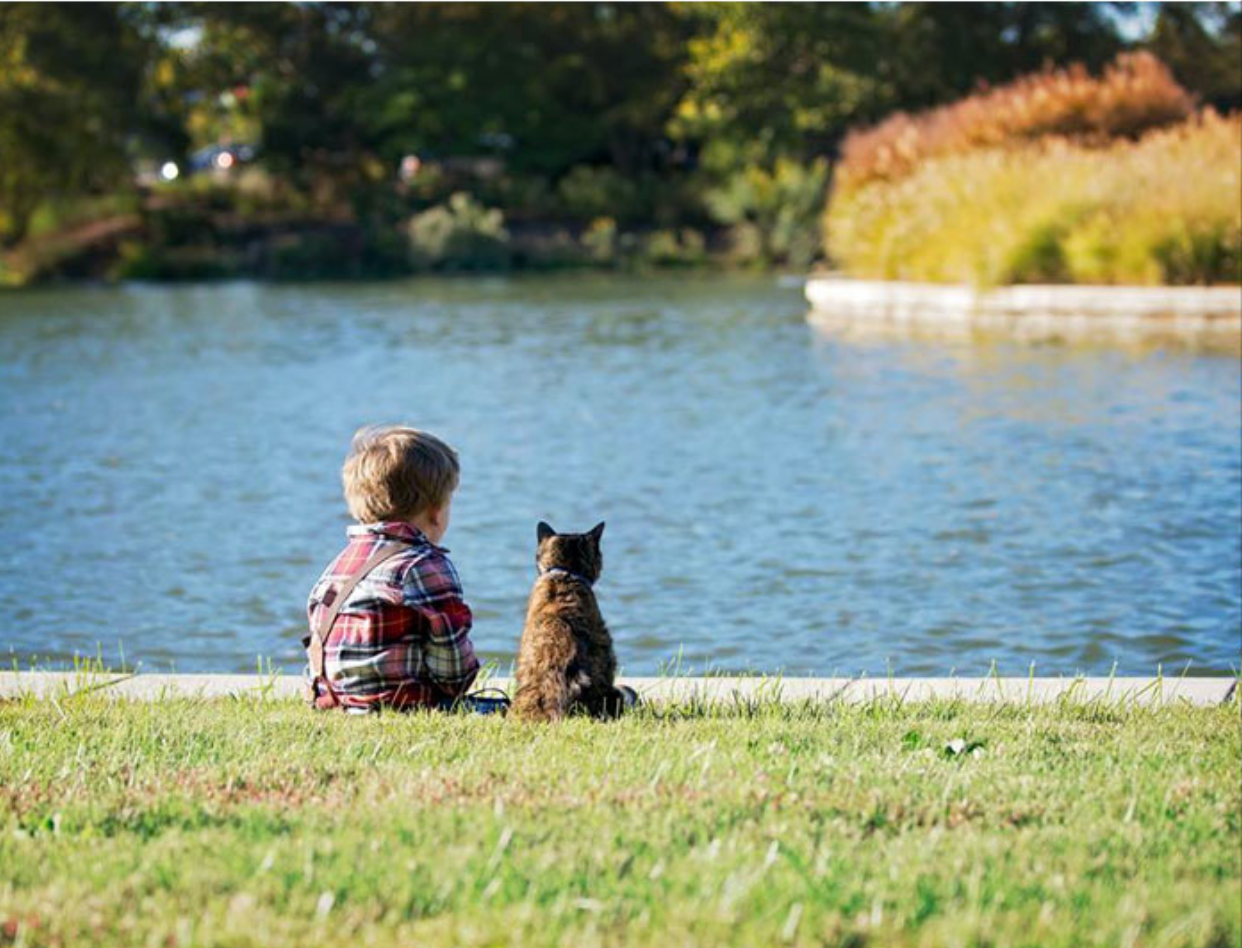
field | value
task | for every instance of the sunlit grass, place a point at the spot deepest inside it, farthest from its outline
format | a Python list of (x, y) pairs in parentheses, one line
[(254, 822), (1136, 93), (1166, 209)]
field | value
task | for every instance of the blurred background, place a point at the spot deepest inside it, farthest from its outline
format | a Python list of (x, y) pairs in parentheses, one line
[(296, 140), (571, 240)]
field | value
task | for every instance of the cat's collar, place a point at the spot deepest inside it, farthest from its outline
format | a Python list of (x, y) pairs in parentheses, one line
[(558, 571)]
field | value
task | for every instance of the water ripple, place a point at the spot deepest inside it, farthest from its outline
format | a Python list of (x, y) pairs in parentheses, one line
[(776, 498)]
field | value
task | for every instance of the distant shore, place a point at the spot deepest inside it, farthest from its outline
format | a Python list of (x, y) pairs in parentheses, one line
[(208, 245)]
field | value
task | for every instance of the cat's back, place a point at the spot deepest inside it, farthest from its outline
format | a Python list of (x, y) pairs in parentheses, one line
[(559, 598)]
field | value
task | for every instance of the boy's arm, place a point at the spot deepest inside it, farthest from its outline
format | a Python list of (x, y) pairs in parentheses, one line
[(433, 589)]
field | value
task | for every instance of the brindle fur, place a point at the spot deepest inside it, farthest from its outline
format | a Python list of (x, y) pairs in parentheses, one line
[(566, 661)]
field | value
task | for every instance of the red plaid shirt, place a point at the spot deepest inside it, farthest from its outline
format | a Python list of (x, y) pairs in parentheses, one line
[(403, 637)]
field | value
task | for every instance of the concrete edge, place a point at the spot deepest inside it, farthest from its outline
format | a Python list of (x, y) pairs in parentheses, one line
[(660, 691), (1192, 312)]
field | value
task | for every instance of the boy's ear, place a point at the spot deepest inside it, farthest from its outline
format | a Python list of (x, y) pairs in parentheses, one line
[(543, 531), (597, 531)]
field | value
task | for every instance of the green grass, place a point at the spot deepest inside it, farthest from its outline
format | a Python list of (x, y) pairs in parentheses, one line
[(261, 823)]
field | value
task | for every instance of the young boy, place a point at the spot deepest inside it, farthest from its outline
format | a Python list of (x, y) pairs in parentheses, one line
[(389, 628)]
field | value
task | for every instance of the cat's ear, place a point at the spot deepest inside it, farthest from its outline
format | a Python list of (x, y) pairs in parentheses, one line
[(597, 531), (543, 531)]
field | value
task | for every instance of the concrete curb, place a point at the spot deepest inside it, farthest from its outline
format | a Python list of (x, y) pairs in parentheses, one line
[(1198, 314), (1146, 691)]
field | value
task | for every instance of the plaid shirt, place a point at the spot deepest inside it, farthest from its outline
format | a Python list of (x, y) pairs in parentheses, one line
[(403, 637)]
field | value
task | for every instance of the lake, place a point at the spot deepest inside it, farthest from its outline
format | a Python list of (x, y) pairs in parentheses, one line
[(778, 498)]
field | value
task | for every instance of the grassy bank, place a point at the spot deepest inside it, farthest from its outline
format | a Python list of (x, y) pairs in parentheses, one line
[(238, 823)]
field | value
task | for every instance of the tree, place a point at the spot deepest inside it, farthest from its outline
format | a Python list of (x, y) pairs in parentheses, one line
[(789, 78), (70, 76), (341, 92), (302, 68), (1202, 44), (937, 52), (556, 84), (767, 80)]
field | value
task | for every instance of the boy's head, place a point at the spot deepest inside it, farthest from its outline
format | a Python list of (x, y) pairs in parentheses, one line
[(398, 473)]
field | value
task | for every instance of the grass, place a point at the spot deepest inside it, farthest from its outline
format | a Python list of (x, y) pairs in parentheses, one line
[(1166, 209), (1135, 94), (257, 822), (1058, 177)]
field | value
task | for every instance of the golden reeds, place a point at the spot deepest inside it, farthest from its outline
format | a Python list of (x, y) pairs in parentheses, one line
[(1166, 208), (1136, 93)]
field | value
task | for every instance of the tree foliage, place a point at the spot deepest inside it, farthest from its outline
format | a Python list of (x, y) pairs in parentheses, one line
[(1202, 44), (69, 80), (781, 79), (674, 100), (551, 84)]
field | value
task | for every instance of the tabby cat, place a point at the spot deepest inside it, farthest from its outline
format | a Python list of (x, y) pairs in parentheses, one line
[(566, 661)]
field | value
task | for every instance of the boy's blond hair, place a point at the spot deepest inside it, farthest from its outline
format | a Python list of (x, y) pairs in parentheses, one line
[(395, 473)]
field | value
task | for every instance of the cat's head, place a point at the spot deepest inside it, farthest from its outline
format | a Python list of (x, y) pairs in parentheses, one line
[(576, 552)]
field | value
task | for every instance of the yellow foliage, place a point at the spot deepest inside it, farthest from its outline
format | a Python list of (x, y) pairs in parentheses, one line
[(1166, 208)]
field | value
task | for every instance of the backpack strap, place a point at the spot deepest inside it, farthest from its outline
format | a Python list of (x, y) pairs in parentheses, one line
[(317, 643)]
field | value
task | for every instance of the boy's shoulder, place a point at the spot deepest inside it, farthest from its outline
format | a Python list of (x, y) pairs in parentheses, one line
[(427, 575), (422, 564), (363, 540), (420, 575)]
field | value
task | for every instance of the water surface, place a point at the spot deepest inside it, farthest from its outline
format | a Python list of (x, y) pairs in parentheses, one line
[(777, 498)]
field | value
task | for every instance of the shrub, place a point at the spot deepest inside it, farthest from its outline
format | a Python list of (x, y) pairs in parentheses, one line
[(601, 241), (310, 256), (1164, 209), (545, 247), (588, 192), (1135, 94), (524, 197), (143, 261), (774, 215), (674, 248), (461, 234)]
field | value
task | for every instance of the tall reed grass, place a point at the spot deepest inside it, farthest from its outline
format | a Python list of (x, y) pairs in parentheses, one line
[(1058, 177), (1135, 94), (1166, 209)]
